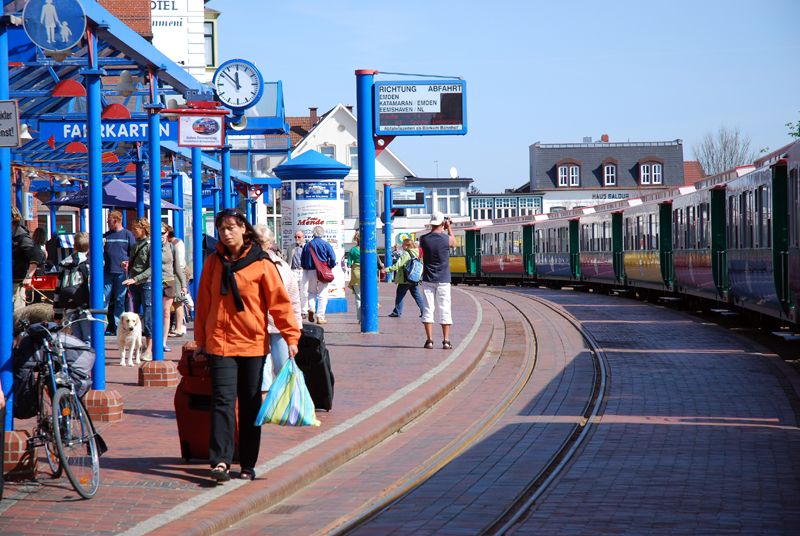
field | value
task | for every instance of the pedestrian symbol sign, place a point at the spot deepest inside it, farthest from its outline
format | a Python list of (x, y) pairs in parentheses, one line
[(55, 25)]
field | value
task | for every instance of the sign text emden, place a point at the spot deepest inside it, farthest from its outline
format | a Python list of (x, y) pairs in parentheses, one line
[(420, 108)]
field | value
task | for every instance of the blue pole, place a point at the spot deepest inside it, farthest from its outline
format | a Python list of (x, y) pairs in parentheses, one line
[(140, 189), (227, 201), (93, 123), (177, 199), (157, 294), (82, 213), (197, 217), (18, 191), (366, 202), (53, 210), (387, 224), (6, 276), (216, 205), (180, 231), (249, 211)]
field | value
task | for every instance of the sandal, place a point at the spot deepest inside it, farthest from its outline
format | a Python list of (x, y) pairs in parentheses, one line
[(428, 344), (220, 473), (247, 474), (446, 345)]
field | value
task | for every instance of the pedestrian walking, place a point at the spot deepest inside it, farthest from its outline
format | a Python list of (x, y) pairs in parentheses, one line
[(354, 262), (138, 282), (182, 296), (77, 262), (294, 256), (26, 257), (278, 347), (436, 278), (239, 287), (173, 280), (403, 285), (117, 245), (313, 292)]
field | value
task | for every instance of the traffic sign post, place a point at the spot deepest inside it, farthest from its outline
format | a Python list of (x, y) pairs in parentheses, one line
[(385, 110), (54, 25), (9, 123)]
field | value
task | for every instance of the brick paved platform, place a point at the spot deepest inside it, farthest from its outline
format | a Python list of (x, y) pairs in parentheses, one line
[(383, 381)]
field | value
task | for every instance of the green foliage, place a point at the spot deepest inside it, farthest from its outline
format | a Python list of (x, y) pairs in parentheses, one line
[(794, 129)]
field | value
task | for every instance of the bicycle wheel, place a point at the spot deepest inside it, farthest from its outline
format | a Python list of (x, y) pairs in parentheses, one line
[(46, 429), (76, 443)]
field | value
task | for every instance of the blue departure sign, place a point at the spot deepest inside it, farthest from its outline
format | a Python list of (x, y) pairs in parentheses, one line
[(420, 108), (55, 25)]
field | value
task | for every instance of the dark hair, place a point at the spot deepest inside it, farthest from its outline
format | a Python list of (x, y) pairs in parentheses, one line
[(40, 236), (249, 233)]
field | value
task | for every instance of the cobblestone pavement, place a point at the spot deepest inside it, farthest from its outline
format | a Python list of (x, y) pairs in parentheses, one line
[(699, 434), (382, 381)]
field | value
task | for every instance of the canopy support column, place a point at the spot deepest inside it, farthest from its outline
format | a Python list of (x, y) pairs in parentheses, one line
[(94, 142), (227, 200), (157, 292), (6, 275), (140, 188), (197, 218)]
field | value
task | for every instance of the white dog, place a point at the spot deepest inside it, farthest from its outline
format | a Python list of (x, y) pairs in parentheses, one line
[(129, 338)]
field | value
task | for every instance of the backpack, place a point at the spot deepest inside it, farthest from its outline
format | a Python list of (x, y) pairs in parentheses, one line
[(29, 354), (73, 291), (413, 270)]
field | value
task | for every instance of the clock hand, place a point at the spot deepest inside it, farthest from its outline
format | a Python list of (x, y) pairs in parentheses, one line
[(238, 87), (236, 74)]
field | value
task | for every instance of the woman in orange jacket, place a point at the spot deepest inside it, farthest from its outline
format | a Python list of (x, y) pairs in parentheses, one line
[(238, 287)]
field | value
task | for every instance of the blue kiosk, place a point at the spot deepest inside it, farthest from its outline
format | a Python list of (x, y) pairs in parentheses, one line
[(313, 188)]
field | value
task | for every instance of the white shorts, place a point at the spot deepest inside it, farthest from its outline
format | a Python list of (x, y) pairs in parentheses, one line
[(436, 296)]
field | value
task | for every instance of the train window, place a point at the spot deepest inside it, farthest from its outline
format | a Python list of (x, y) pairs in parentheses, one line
[(767, 210), (627, 245), (501, 244), (584, 236), (639, 234), (606, 237), (703, 227), (515, 243), (794, 207), (656, 241), (733, 226), (691, 220)]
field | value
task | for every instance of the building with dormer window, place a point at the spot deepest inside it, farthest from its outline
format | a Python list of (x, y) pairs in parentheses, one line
[(574, 175)]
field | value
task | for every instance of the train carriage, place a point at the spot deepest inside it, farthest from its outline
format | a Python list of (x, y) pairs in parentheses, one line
[(647, 245), (601, 247), (557, 247), (502, 252), (698, 243), (793, 260), (758, 240)]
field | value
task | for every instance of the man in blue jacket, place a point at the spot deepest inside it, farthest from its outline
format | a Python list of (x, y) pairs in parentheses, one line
[(311, 288)]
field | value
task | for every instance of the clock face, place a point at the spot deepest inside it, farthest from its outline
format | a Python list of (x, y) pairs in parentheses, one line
[(238, 84)]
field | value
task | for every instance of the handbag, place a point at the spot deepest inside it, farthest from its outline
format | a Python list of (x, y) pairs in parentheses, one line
[(288, 402), (324, 274)]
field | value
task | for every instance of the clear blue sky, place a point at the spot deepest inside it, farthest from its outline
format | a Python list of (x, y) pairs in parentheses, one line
[(538, 71)]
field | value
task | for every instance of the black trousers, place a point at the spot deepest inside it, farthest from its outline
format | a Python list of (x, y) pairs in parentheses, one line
[(232, 377)]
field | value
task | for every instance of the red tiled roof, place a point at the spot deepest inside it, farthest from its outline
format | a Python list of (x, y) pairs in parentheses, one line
[(299, 127), (692, 172)]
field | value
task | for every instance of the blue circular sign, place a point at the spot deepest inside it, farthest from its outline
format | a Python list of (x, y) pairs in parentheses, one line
[(55, 25)]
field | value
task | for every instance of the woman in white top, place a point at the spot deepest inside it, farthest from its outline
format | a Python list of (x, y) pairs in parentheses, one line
[(278, 347), (180, 295)]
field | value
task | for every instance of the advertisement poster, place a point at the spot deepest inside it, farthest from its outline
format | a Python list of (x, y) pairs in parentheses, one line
[(307, 204), (201, 131)]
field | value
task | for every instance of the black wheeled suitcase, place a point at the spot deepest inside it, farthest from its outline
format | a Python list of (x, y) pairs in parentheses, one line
[(315, 362)]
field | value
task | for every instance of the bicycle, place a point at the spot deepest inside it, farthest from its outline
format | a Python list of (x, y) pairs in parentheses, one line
[(63, 426)]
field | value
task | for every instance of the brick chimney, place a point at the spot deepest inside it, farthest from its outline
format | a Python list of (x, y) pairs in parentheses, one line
[(313, 114), (604, 137), (349, 107)]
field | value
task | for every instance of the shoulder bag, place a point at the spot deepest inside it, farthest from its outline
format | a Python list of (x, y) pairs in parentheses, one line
[(324, 274)]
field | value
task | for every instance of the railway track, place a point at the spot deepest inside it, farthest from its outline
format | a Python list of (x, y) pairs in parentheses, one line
[(544, 475)]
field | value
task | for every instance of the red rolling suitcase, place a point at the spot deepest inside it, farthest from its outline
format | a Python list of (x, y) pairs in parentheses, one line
[(193, 407)]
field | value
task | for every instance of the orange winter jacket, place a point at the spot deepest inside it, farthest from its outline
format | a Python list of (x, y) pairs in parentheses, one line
[(225, 331)]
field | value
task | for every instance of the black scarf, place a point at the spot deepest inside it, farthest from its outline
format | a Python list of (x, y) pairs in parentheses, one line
[(229, 270)]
